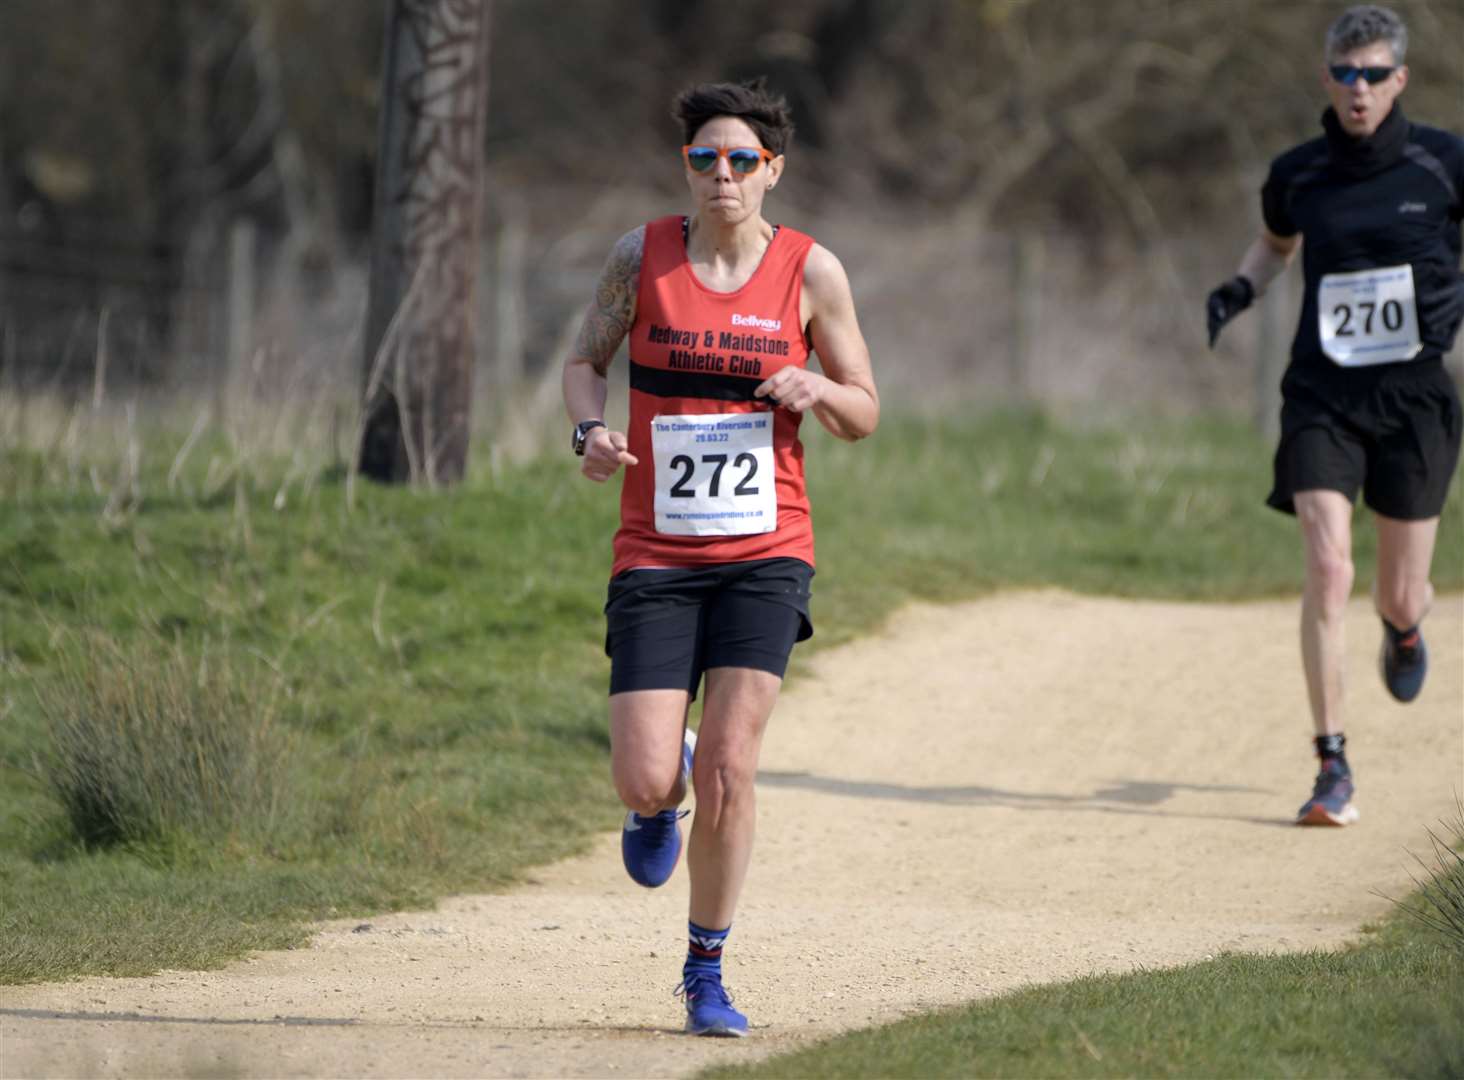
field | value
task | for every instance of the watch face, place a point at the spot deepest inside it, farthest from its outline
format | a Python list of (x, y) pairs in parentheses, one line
[(581, 433)]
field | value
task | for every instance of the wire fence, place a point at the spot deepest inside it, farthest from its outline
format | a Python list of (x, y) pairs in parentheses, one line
[(955, 316)]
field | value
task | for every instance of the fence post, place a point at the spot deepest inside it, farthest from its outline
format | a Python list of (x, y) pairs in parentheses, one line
[(1027, 258), (103, 354), (510, 254), (1274, 322), (241, 295)]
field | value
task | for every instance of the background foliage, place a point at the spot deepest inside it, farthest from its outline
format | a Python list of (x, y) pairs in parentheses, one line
[(1032, 196)]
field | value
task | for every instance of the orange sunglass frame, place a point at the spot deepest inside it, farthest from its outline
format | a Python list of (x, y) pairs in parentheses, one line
[(763, 154)]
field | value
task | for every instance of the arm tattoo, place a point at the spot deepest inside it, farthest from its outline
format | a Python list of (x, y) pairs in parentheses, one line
[(609, 318)]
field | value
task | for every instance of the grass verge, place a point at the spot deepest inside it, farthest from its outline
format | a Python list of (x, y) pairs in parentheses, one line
[(432, 661), (1390, 1006)]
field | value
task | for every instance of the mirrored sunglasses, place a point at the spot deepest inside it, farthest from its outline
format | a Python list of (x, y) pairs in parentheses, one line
[(1347, 75), (743, 160)]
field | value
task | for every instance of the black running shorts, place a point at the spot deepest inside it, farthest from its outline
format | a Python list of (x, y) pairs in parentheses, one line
[(1397, 440), (665, 627)]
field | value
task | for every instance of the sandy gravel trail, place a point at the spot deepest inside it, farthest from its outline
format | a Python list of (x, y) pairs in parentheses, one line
[(1026, 788)]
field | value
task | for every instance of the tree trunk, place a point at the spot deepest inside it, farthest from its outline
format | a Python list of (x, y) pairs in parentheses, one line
[(421, 321)]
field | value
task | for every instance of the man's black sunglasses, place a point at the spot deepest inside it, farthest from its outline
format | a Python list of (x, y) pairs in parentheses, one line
[(1347, 75)]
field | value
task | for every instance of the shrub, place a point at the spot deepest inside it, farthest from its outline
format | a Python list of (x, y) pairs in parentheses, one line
[(147, 743), (1439, 902)]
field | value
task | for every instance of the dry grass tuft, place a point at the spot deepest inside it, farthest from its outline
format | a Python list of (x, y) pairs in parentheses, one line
[(148, 743)]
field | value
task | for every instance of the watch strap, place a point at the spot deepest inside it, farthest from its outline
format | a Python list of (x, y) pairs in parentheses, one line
[(582, 432)]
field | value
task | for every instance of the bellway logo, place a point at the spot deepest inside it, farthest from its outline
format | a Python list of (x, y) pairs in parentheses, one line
[(1412, 208), (757, 321)]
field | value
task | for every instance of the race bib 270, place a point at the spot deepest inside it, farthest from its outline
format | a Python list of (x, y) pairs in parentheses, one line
[(1368, 316)]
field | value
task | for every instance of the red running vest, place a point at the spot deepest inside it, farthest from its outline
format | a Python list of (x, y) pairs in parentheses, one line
[(720, 478)]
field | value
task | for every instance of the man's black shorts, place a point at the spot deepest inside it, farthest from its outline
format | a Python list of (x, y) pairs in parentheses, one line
[(1396, 439), (665, 627)]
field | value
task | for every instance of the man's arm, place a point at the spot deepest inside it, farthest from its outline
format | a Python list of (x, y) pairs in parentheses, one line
[(1268, 255)]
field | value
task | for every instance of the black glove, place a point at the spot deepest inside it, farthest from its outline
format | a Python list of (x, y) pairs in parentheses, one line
[(1226, 302)]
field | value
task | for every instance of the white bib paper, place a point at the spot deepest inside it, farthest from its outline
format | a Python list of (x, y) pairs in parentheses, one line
[(714, 474), (1368, 316)]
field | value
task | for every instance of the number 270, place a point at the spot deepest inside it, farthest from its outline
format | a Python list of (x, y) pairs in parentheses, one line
[(1392, 317)]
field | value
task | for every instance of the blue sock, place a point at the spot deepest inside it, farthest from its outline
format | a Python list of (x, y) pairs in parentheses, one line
[(704, 951)]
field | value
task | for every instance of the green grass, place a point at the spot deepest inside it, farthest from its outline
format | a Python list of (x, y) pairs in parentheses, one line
[(433, 661), (1376, 1010), (1390, 1006)]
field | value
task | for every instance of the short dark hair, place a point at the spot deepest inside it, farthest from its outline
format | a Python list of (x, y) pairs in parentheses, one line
[(764, 111)]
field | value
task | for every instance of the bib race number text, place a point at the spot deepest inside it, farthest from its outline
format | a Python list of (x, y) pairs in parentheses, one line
[(714, 474), (1368, 316)]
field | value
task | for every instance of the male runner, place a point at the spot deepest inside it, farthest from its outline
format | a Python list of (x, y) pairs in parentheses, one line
[(1366, 401)]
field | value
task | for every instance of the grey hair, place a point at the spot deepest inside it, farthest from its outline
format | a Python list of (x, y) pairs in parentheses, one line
[(1360, 26)]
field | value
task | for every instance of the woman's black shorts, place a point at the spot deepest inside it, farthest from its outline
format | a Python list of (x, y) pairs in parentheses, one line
[(1397, 439), (665, 627)]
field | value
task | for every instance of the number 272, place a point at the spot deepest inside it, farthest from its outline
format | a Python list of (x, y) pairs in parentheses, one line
[(682, 489)]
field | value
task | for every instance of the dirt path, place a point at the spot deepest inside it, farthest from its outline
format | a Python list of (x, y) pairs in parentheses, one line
[(1022, 789)]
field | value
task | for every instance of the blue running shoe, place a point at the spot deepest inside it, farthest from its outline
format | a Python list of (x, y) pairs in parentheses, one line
[(651, 846), (1404, 661), (1331, 801), (709, 1009)]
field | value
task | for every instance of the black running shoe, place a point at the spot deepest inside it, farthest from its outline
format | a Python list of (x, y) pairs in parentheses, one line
[(1331, 800), (1404, 661)]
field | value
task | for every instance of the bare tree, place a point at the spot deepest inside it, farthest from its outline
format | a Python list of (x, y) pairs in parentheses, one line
[(424, 245)]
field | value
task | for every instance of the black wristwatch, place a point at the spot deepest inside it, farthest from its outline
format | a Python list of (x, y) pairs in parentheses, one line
[(581, 433)]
